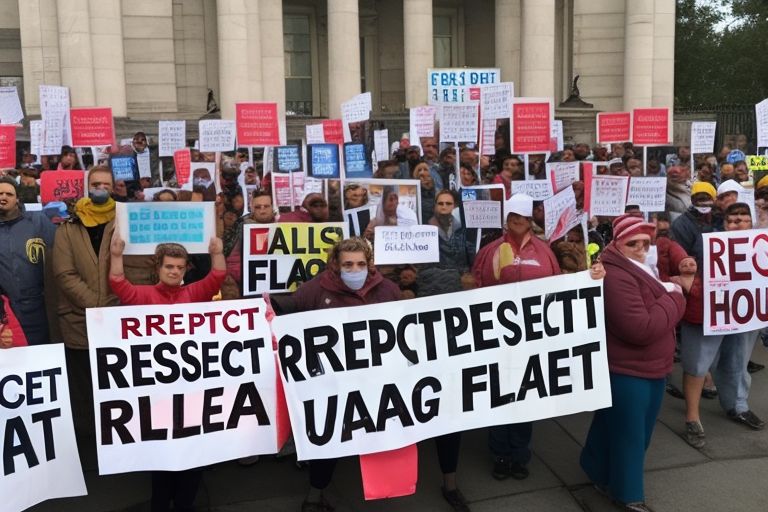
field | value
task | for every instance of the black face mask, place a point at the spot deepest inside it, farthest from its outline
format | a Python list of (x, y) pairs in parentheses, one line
[(662, 233)]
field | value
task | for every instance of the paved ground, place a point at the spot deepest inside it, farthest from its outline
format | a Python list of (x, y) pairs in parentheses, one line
[(729, 474)]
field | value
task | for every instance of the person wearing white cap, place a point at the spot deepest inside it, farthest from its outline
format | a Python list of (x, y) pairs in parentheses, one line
[(517, 256)]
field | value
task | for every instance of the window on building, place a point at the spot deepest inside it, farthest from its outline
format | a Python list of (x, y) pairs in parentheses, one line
[(443, 40), (298, 64)]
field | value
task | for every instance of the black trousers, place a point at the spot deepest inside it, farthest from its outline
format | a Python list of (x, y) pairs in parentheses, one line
[(175, 490)]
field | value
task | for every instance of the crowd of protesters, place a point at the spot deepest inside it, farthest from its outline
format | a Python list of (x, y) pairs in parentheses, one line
[(69, 258)]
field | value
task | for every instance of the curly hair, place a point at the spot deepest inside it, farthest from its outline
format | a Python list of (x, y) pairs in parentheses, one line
[(353, 244)]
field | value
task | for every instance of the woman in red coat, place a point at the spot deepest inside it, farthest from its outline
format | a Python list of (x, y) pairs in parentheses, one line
[(641, 313)]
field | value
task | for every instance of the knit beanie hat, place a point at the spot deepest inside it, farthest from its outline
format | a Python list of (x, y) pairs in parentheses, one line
[(627, 225)]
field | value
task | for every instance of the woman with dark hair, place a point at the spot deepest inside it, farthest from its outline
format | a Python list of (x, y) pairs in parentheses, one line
[(68, 159), (510, 169)]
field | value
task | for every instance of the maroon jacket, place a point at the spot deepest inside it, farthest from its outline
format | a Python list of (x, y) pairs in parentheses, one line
[(327, 290), (640, 319), (670, 254)]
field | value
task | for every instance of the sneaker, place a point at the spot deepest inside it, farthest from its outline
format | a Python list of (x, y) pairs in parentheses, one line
[(637, 506), (456, 500), (694, 434), (504, 468), (747, 418), (316, 506), (753, 367)]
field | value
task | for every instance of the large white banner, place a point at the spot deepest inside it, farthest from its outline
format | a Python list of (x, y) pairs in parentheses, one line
[(451, 85), (735, 275), (372, 378), (181, 386), (40, 459)]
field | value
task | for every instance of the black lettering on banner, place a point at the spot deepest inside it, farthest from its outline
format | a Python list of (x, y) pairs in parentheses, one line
[(105, 368), (253, 275), (14, 427), (4, 402), (352, 345), (145, 422), (46, 417), (532, 379), (531, 318), (585, 352), (392, 405), (32, 384), (497, 398), (591, 294), (190, 359), (549, 330), (479, 325), (289, 362), (209, 359), (209, 409), (180, 431), (313, 349), (517, 333), (297, 274), (330, 417), (428, 320), (469, 387), (355, 406), (253, 345), (455, 325), (278, 243), (555, 372), (567, 297), (247, 393), (138, 365), (432, 405), (408, 353), (174, 371), (379, 347), (108, 423), (226, 359)]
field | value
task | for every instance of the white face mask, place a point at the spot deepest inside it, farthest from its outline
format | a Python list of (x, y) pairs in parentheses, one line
[(354, 280), (703, 209)]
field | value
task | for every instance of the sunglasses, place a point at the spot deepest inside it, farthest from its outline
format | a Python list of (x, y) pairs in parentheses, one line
[(444, 203), (646, 244)]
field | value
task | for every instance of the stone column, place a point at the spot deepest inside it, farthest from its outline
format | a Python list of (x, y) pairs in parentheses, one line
[(664, 54), (108, 55), (507, 38), (419, 52), (343, 54), (537, 59), (273, 56), (39, 49), (638, 53), (75, 52), (239, 54)]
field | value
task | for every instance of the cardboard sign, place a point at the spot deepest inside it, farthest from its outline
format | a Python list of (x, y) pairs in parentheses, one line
[(451, 85), (471, 365), (217, 135), (614, 127), (40, 459), (650, 126), (144, 225), (539, 190), (357, 162), (92, 127), (703, 136), (279, 257), (257, 124), (155, 410), (649, 193), (761, 119), (182, 162), (458, 122), (734, 274), (562, 174), (10, 106), (172, 137), (323, 161), (333, 132), (608, 195), (483, 214), (397, 245), (531, 125), (61, 186), (7, 147)]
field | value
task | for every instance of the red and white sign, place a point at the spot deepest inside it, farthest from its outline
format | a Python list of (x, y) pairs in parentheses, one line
[(92, 127), (333, 131), (650, 126), (614, 127), (7, 146), (531, 125), (182, 161), (61, 185), (257, 124)]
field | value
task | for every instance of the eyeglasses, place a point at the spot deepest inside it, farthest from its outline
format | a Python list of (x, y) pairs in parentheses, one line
[(646, 244), (444, 203)]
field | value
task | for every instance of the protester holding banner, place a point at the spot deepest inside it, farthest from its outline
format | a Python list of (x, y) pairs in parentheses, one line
[(351, 279), (27, 239), (641, 313), (314, 208)]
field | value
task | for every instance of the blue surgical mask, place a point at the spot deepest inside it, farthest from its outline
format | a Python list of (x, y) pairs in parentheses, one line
[(354, 280), (99, 195)]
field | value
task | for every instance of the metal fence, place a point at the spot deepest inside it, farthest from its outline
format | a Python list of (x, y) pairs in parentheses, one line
[(732, 121)]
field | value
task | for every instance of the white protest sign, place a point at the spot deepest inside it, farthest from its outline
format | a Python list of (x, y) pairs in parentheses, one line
[(315, 134), (397, 245), (608, 195), (491, 356), (181, 386), (36, 139), (747, 196), (144, 225), (735, 270), (172, 137), (557, 133), (538, 190), (649, 193), (10, 106), (496, 100), (702, 137), (144, 162), (562, 174), (40, 459), (421, 123), (451, 85), (54, 109), (488, 136), (761, 117), (279, 257), (458, 122), (217, 135), (381, 144), (560, 214), (482, 213), (356, 110)]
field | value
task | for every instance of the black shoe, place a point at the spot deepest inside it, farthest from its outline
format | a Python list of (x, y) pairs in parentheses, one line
[(316, 506), (747, 418), (708, 393), (504, 468), (456, 500), (753, 367), (674, 391)]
